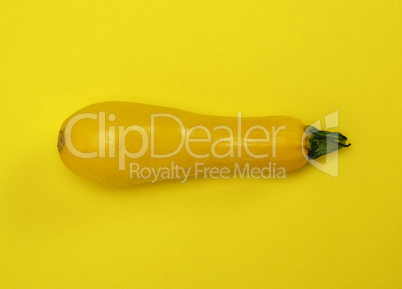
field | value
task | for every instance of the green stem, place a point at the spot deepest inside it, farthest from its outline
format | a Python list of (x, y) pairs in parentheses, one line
[(321, 142)]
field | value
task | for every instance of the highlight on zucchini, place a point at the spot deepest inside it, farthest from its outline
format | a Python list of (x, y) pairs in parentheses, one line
[(122, 143)]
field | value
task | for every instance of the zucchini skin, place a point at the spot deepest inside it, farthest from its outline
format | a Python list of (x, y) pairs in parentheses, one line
[(100, 132)]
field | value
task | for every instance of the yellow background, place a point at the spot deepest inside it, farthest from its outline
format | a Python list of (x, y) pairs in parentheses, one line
[(299, 58)]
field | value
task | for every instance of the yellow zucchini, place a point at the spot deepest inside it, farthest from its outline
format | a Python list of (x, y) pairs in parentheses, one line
[(123, 143)]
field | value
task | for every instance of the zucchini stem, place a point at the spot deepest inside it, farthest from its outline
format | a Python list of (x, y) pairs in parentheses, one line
[(60, 141), (321, 142)]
